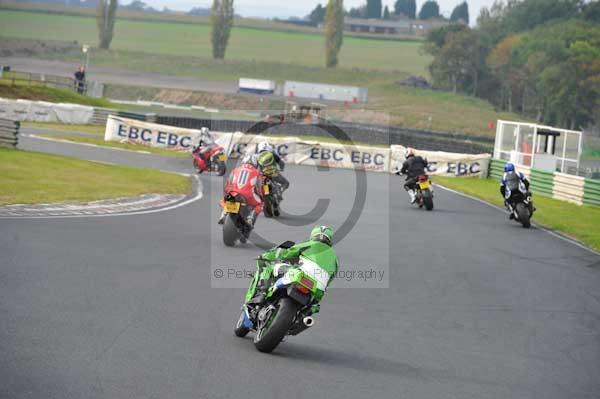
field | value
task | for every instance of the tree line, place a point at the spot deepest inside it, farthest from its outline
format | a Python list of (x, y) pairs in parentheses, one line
[(221, 21), (407, 9), (539, 58)]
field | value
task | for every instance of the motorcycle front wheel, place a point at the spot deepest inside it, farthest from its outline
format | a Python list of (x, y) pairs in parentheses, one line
[(524, 216), (240, 329), (271, 331)]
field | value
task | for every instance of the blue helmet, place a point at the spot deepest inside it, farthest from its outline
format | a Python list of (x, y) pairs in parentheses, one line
[(509, 167)]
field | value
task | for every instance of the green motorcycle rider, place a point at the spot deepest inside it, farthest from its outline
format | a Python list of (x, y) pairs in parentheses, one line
[(316, 255), (287, 288)]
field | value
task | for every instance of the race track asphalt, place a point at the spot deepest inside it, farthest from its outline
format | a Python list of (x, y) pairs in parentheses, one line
[(473, 306)]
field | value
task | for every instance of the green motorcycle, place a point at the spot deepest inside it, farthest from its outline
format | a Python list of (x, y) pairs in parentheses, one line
[(282, 299)]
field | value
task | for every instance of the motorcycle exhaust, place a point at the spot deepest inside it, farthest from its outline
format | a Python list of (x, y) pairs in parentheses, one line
[(300, 326)]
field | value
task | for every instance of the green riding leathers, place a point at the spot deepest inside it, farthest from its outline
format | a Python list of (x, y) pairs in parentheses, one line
[(315, 258), (268, 162)]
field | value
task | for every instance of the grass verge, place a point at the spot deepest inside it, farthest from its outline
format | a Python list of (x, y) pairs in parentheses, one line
[(94, 129), (32, 177), (50, 94), (578, 222), (591, 154)]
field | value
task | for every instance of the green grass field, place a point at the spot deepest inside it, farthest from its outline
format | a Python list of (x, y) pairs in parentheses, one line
[(31, 177), (169, 38), (183, 49), (578, 222)]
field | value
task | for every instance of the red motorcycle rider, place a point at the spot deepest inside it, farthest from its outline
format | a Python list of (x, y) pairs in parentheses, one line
[(204, 152), (246, 181)]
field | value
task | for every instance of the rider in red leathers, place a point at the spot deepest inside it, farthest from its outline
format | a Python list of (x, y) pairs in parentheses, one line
[(246, 180)]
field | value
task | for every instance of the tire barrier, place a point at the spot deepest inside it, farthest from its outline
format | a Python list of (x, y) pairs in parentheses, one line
[(9, 133)]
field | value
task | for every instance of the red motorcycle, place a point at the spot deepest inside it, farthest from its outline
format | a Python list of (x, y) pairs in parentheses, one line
[(210, 159), (242, 202)]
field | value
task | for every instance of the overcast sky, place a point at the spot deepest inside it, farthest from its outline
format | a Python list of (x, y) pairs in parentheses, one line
[(299, 8)]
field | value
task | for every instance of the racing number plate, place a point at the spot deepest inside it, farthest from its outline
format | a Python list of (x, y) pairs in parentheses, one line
[(232, 207), (424, 185), (221, 157)]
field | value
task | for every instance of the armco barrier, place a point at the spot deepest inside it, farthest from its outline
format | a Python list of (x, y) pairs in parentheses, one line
[(359, 133), (542, 182), (496, 169), (42, 111), (568, 188), (101, 114), (591, 192), (9, 133)]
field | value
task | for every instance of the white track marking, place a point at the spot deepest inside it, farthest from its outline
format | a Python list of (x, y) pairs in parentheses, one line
[(197, 197), (552, 233)]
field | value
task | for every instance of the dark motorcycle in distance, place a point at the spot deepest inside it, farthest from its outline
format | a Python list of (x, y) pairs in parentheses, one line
[(272, 195), (521, 207)]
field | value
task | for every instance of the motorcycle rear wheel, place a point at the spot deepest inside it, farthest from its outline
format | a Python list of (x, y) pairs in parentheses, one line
[(428, 201), (221, 168), (230, 231), (269, 207), (268, 337)]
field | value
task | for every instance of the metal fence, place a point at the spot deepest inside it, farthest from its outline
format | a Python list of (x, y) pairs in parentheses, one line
[(358, 133), (101, 114), (17, 78), (9, 133)]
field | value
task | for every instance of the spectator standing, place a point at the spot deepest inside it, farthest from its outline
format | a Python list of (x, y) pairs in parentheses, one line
[(80, 79)]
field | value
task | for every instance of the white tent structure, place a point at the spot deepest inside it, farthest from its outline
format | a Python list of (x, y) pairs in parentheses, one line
[(538, 146)]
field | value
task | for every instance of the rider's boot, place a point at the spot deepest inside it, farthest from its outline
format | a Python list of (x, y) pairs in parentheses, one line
[(413, 196), (222, 217), (251, 218)]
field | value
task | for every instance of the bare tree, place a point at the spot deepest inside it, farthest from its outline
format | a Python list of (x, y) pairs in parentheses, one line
[(105, 16), (221, 21)]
